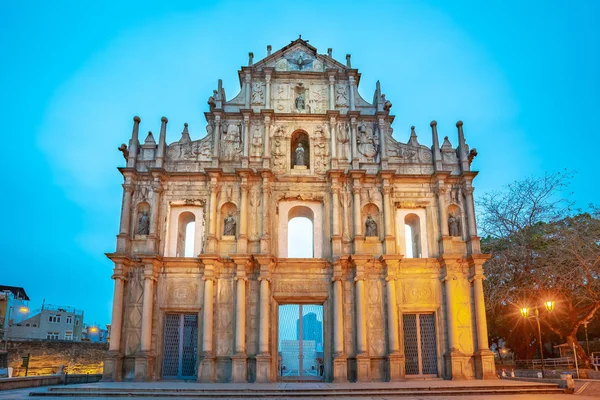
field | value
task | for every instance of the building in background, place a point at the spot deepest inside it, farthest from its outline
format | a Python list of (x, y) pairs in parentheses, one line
[(95, 334), (50, 323), (13, 305)]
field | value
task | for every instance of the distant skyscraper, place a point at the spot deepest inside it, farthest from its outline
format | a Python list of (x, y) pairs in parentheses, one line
[(312, 329)]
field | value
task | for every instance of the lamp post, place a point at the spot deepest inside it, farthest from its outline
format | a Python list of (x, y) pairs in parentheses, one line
[(525, 313)]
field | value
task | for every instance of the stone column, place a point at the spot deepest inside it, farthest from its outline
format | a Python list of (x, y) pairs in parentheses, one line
[(332, 92), (362, 357), (113, 359), (265, 242), (206, 371), (239, 359), (395, 359), (247, 79), (123, 237), (441, 197), (242, 245), (263, 358), (457, 363), (382, 143), (246, 136), (216, 140), (332, 132), (212, 224), (267, 143), (336, 210), (268, 91), (473, 238), (484, 357), (353, 125), (145, 359), (352, 82), (153, 236), (357, 214), (340, 366)]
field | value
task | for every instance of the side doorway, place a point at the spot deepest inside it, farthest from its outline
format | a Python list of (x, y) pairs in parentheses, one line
[(420, 345)]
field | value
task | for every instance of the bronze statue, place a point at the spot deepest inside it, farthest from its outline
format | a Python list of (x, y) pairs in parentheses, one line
[(371, 227), (229, 226), (453, 226), (299, 159), (143, 224)]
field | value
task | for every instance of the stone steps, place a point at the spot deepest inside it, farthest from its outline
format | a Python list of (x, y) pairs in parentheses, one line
[(249, 392)]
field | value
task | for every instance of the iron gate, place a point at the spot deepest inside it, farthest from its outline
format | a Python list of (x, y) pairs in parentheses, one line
[(181, 338), (420, 344), (300, 343)]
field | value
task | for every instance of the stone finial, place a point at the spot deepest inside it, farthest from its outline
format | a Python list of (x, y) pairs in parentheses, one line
[(150, 138), (459, 124), (329, 52), (250, 59), (164, 119), (413, 137), (269, 48), (348, 64), (433, 123), (185, 135), (137, 119)]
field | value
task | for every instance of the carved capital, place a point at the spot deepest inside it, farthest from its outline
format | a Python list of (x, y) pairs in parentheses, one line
[(268, 78), (128, 187), (247, 78), (477, 276)]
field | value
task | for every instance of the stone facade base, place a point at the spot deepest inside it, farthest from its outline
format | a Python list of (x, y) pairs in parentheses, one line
[(206, 369), (263, 368), (144, 367), (363, 364), (340, 369), (239, 368), (396, 367), (458, 366), (112, 367), (485, 367)]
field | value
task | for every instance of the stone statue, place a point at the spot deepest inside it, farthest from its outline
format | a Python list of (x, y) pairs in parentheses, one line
[(299, 159), (229, 226), (300, 102), (366, 142), (371, 227), (143, 224), (453, 226)]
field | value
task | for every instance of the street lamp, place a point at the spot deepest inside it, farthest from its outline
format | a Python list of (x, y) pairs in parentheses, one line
[(525, 313)]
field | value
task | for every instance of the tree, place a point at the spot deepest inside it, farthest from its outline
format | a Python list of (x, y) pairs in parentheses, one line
[(540, 249)]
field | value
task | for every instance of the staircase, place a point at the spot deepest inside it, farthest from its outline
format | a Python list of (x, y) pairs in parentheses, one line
[(299, 390)]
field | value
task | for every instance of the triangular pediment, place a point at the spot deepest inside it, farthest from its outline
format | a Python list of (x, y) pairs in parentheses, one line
[(298, 56)]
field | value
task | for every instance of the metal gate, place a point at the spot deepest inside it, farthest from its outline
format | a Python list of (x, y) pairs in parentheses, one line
[(181, 338), (300, 341), (420, 345)]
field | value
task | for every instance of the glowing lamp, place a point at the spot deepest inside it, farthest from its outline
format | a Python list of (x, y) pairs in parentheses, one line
[(24, 310), (549, 305), (93, 329), (525, 312)]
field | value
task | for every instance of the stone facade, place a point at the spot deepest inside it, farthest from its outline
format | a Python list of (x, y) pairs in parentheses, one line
[(395, 240)]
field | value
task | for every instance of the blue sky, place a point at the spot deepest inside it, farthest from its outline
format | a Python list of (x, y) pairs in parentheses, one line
[(523, 76)]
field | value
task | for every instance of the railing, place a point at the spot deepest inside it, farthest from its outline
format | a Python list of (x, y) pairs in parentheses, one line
[(595, 358), (548, 362)]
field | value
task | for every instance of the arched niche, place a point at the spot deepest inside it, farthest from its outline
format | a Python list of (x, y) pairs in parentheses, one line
[(142, 219), (229, 221), (300, 235), (455, 221), (411, 232), (299, 137), (371, 210), (312, 210), (185, 230)]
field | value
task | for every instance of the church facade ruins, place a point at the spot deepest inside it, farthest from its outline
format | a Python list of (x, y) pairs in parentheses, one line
[(208, 282)]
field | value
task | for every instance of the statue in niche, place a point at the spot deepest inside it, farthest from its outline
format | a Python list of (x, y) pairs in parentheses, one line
[(367, 143), (256, 142), (371, 227), (343, 138), (453, 226), (258, 96), (231, 142), (143, 224), (300, 104), (229, 226), (341, 96), (299, 159)]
